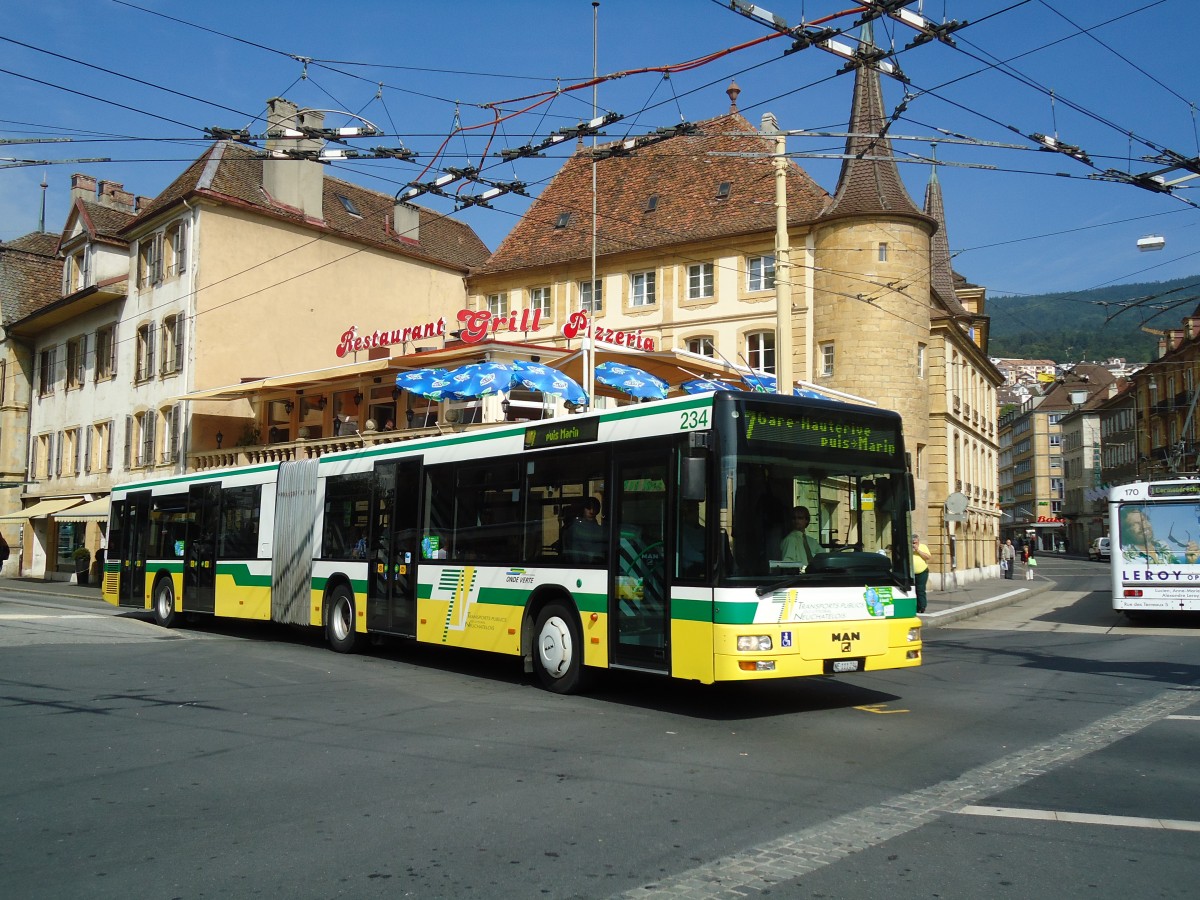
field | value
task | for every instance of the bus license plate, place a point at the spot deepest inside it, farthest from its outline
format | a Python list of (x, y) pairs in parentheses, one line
[(845, 665)]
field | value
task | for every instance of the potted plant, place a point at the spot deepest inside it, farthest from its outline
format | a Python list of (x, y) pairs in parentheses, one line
[(83, 562)]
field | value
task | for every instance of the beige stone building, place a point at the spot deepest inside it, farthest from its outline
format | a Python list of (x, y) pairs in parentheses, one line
[(684, 254), (30, 276), (249, 264), (1033, 472)]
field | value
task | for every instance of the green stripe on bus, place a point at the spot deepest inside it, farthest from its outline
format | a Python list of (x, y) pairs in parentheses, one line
[(216, 474), (691, 610), (320, 583), (730, 613), (242, 575), (635, 411)]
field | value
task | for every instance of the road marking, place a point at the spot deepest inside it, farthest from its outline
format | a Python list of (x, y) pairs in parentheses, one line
[(25, 618), (1186, 718), (879, 708), (1051, 815), (794, 855)]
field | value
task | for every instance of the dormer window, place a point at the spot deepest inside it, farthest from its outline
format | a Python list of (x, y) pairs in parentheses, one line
[(723, 190), (652, 203), (562, 220), (76, 272), (349, 206)]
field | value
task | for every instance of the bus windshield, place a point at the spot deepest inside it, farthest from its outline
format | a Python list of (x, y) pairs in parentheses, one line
[(818, 496)]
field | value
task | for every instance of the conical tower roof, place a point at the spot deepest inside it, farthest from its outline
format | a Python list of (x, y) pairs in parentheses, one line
[(869, 183), (941, 274)]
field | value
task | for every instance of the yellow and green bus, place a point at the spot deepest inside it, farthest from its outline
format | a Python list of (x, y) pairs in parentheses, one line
[(649, 537)]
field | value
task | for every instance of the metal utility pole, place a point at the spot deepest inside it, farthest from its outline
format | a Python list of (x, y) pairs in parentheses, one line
[(783, 271)]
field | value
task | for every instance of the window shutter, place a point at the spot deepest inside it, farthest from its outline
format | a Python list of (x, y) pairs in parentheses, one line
[(108, 445), (179, 323), (88, 434), (181, 248), (79, 437), (171, 440), (148, 421), (150, 333), (56, 441), (128, 442), (157, 250), (112, 352)]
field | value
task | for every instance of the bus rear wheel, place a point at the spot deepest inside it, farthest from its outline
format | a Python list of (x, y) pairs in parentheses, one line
[(558, 650), (339, 621), (164, 602)]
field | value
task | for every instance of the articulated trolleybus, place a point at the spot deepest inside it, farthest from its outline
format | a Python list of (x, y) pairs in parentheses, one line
[(1155, 539), (647, 537)]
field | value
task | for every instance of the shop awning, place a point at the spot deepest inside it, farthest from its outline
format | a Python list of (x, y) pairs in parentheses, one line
[(42, 508), (295, 381), (94, 511)]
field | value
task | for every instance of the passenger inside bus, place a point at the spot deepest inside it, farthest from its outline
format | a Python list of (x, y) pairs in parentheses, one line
[(585, 539)]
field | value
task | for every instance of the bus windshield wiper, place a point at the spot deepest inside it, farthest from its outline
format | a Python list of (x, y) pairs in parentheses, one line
[(780, 584)]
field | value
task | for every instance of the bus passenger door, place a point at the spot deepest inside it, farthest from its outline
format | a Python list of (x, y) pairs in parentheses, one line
[(134, 522), (392, 553), (200, 554), (638, 598)]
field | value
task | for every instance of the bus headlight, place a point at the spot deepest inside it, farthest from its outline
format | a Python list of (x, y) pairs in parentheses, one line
[(914, 634), (754, 643)]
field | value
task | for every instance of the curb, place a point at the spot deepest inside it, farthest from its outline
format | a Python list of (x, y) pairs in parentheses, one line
[(976, 607)]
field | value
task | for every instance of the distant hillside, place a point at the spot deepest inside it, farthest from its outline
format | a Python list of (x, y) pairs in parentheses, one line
[(1092, 325)]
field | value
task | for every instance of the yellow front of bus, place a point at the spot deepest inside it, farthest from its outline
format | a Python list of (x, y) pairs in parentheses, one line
[(813, 630)]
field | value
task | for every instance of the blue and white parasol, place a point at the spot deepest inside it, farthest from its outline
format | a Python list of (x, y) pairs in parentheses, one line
[(536, 377), (633, 381), (700, 385), (433, 384), (478, 380)]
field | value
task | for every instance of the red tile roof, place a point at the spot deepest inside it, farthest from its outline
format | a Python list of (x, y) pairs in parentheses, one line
[(229, 172), (683, 173), (30, 275), (102, 223)]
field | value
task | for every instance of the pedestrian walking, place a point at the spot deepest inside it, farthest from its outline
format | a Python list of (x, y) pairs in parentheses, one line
[(921, 558), (1008, 557)]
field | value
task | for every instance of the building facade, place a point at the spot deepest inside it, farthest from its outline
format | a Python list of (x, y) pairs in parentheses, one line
[(1033, 472), (248, 264)]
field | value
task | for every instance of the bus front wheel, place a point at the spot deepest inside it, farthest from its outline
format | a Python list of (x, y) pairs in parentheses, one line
[(558, 652), (339, 621), (164, 602)]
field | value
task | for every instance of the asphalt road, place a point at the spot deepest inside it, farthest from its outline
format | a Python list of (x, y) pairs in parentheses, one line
[(1045, 749)]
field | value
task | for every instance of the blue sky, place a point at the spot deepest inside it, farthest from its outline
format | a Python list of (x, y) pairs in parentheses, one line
[(1119, 88)]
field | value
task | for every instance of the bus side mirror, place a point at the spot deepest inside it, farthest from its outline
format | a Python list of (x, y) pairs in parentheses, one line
[(695, 470)]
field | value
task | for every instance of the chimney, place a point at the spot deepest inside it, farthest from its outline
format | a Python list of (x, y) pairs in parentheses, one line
[(114, 196), (293, 182), (83, 187), (140, 204), (406, 221)]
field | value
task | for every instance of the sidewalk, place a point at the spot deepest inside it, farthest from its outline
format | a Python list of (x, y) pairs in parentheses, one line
[(955, 604), (63, 590), (944, 606)]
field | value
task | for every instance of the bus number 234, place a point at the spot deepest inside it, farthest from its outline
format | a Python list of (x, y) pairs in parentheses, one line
[(693, 418)]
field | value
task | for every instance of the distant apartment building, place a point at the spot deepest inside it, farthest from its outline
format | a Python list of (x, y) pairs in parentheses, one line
[(1033, 479)]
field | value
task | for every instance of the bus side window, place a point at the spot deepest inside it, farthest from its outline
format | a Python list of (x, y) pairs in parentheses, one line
[(346, 500)]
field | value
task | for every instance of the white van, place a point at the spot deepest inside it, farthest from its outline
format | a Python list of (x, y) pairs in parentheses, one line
[(1100, 549)]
